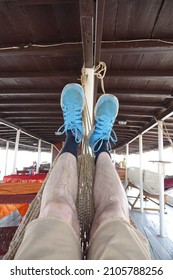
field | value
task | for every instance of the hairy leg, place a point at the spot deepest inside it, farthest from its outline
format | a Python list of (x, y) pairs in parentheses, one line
[(60, 193), (109, 195)]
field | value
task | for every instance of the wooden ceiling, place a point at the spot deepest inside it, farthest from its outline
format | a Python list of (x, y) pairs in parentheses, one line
[(44, 44)]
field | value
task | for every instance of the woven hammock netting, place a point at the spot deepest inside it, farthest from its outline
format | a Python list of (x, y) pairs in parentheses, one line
[(85, 198)]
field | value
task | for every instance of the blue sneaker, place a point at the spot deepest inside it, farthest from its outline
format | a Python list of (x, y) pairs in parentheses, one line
[(72, 103), (105, 112)]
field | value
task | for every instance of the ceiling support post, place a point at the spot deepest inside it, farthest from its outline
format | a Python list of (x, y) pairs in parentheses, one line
[(16, 150), (6, 158), (39, 156), (127, 155), (141, 172), (161, 178)]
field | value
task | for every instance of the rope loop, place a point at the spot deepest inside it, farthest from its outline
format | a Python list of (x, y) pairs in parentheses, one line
[(100, 72)]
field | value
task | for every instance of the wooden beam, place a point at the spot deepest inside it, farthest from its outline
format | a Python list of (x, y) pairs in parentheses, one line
[(140, 92), (56, 92), (142, 46), (128, 113), (34, 117), (87, 30), (75, 48), (40, 2), (31, 103), (40, 74), (135, 104), (141, 75), (56, 50), (12, 102), (27, 92), (131, 74)]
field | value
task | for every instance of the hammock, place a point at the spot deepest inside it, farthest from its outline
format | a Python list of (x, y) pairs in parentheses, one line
[(85, 201)]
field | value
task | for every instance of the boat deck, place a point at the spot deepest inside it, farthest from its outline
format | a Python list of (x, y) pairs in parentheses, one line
[(161, 248)]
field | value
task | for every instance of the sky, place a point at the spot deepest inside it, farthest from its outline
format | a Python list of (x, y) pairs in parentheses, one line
[(26, 158), (133, 160)]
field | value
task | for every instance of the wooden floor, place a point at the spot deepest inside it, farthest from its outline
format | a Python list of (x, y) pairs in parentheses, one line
[(148, 223)]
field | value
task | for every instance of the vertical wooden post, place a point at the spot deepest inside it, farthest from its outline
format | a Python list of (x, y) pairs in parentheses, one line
[(161, 178), (39, 155), (16, 150), (6, 158), (141, 172)]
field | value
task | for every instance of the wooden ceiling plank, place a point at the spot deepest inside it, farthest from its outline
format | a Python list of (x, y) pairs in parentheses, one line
[(135, 19)]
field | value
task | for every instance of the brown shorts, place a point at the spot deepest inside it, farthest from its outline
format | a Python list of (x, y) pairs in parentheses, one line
[(52, 239)]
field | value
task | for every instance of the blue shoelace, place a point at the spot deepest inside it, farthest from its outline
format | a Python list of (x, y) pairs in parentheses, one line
[(104, 130), (73, 122)]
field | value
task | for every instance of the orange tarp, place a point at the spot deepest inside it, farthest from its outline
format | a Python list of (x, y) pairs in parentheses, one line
[(6, 209), (17, 188)]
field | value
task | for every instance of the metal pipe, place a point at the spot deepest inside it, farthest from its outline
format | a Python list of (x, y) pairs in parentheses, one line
[(141, 172), (161, 178), (16, 150)]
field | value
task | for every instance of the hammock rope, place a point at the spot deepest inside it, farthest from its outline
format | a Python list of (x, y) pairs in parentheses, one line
[(32, 213)]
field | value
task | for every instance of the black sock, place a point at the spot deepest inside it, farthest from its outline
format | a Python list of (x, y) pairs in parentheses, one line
[(103, 148), (70, 145)]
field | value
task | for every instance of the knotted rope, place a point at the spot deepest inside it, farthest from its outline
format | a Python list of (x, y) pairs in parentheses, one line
[(100, 72)]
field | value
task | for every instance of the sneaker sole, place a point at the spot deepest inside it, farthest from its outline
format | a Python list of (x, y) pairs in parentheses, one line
[(70, 86), (113, 97)]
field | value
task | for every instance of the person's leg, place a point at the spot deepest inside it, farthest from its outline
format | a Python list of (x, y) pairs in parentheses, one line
[(111, 235), (109, 195), (60, 193), (57, 226)]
